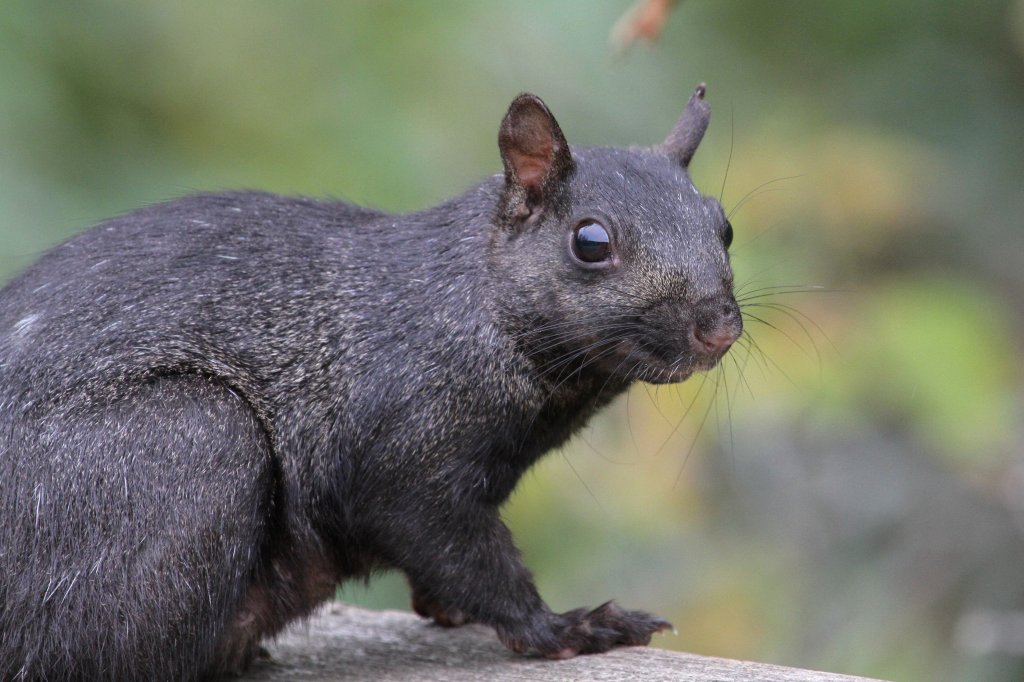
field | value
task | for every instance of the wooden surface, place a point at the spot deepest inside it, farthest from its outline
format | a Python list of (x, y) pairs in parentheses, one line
[(347, 643)]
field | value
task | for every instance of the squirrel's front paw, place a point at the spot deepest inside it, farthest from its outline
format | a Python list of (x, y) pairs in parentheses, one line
[(590, 632), (430, 608)]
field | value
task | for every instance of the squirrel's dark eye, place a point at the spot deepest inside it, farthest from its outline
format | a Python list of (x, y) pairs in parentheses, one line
[(727, 234), (591, 243)]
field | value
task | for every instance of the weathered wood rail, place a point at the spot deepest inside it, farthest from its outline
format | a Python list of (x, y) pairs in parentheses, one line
[(348, 643)]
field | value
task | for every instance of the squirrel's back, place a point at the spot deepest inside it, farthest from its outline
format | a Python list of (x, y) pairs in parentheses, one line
[(244, 285)]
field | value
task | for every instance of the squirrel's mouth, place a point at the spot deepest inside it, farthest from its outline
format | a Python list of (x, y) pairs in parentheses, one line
[(634, 362), (679, 372), (670, 376), (704, 349)]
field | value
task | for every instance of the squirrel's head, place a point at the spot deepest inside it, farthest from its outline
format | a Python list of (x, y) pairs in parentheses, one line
[(610, 259)]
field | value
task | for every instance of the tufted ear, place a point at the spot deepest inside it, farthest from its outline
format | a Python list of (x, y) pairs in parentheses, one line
[(685, 137), (535, 154)]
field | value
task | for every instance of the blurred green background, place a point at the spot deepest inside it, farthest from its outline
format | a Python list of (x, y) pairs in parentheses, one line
[(851, 496)]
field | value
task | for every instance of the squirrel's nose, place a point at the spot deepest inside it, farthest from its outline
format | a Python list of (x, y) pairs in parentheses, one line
[(716, 330), (715, 341)]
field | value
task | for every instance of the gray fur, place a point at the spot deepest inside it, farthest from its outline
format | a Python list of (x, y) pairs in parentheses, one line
[(215, 409)]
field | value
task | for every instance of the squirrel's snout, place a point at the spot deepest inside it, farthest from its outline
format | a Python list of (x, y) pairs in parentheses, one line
[(713, 337), (715, 341)]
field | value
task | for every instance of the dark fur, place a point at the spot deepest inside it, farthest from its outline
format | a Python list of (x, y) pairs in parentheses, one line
[(215, 409)]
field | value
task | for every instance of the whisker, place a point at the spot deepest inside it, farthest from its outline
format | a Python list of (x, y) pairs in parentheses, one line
[(760, 187), (583, 482), (741, 370), (745, 343), (760, 320), (567, 358), (679, 423), (793, 312), (767, 358), (750, 197), (753, 296), (657, 405), (693, 443), (720, 384), (810, 337), (587, 361), (728, 163), (566, 339)]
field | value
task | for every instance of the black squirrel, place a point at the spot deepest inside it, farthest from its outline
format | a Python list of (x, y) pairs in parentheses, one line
[(214, 410)]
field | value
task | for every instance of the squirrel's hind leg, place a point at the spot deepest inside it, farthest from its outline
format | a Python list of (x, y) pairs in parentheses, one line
[(148, 523)]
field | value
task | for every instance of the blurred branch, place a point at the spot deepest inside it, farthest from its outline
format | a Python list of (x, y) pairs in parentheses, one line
[(645, 21)]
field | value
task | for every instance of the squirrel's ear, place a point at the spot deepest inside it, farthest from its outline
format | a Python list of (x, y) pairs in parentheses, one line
[(682, 142), (534, 152)]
